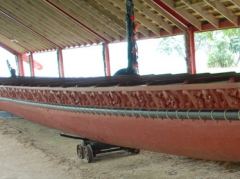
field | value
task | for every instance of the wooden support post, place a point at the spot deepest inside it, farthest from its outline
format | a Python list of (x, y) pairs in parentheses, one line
[(20, 64), (106, 60), (31, 64), (60, 63), (190, 51)]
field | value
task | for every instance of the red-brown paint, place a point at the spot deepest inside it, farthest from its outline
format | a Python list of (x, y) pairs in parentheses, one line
[(212, 140)]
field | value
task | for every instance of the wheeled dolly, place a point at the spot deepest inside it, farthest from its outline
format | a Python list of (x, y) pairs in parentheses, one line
[(88, 149)]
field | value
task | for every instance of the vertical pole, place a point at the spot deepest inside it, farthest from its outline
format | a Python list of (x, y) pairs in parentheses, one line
[(190, 51), (60, 63), (20, 64), (106, 60), (31, 63), (132, 49)]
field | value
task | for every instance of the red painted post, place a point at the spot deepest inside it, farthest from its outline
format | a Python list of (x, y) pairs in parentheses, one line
[(60, 63), (20, 64), (190, 50), (31, 63), (106, 58)]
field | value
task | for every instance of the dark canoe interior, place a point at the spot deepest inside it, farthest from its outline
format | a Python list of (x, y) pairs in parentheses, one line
[(121, 80)]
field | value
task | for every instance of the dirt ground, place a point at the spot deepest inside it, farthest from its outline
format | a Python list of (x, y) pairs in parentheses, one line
[(28, 150)]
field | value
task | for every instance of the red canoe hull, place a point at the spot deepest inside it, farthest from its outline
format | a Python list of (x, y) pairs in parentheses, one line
[(209, 139)]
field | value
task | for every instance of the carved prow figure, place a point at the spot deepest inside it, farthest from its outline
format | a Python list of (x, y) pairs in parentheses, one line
[(12, 71), (132, 68)]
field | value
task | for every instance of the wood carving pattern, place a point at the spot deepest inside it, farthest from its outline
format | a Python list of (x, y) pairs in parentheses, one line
[(156, 99)]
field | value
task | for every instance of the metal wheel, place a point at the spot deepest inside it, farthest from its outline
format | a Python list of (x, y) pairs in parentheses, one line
[(80, 151), (88, 153), (134, 151)]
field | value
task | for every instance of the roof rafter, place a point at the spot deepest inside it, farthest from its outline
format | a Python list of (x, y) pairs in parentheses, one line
[(47, 21), (119, 14), (187, 16), (15, 19), (236, 2), (139, 17), (71, 23), (75, 20), (223, 10), (6, 47), (113, 29), (15, 47), (166, 15), (209, 17), (107, 14), (88, 19), (141, 8)]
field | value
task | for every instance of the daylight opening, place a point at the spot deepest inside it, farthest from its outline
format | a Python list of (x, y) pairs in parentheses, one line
[(83, 62), (218, 51)]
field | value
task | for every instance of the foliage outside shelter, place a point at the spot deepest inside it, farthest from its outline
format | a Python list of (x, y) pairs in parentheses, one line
[(222, 47)]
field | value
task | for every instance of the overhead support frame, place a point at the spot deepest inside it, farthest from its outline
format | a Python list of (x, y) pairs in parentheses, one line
[(190, 50), (60, 63), (20, 65), (87, 29), (106, 59), (31, 64), (9, 49), (19, 22), (18, 58)]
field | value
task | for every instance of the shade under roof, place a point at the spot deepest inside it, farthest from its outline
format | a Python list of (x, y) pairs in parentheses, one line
[(36, 25)]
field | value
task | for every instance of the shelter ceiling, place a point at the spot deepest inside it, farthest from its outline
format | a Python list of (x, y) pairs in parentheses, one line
[(35, 25)]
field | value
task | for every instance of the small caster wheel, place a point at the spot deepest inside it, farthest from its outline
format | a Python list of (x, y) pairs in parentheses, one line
[(83, 142), (88, 153), (80, 151), (134, 151)]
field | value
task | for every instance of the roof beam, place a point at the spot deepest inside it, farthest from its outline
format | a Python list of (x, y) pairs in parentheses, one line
[(209, 17), (141, 8), (75, 20), (223, 10), (182, 15), (139, 18), (171, 18), (19, 22), (86, 16), (119, 14), (8, 48), (11, 45), (236, 2), (108, 15), (48, 22), (113, 31)]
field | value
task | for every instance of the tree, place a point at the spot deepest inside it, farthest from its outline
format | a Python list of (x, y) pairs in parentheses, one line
[(235, 47), (222, 46), (170, 45), (220, 55)]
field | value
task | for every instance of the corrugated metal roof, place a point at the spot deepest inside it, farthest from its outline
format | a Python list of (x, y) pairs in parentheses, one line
[(35, 25)]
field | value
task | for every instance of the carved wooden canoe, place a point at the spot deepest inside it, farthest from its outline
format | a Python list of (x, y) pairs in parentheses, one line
[(189, 115)]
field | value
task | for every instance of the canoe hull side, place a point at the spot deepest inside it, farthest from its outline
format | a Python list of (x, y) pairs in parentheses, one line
[(209, 139)]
